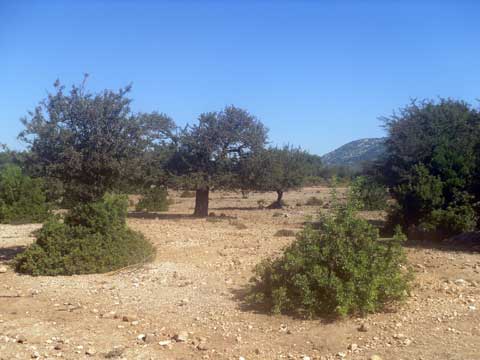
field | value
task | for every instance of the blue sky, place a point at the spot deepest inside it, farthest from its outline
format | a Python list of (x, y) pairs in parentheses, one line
[(317, 73)]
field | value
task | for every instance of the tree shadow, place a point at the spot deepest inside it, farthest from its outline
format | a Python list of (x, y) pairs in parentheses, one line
[(8, 253), (468, 242), (241, 296), (159, 216), (248, 208)]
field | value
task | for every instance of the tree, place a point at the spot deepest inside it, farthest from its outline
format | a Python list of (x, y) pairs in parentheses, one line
[(86, 140), (431, 163), (208, 154), (276, 169)]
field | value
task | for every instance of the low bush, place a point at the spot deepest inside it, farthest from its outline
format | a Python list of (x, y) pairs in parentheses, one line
[(154, 199), (368, 193), (342, 268), (93, 238), (187, 194), (314, 201), (22, 199), (284, 233)]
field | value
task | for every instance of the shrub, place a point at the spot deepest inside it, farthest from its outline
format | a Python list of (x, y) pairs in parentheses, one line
[(187, 194), (93, 238), (368, 193), (314, 201), (154, 199), (342, 268), (22, 199), (284, 233)]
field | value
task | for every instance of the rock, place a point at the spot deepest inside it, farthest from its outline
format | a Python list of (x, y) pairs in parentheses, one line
[(341, 354), (363, 328), (21, 339), (305, 357), (182, 336), (375, 357), (58, 347), (460, 282), (3, 269), (164, 342), (129, 318), (183, 302), (353, 347), (141, 337), (35, 355), (149, 338), (202, 346), (90, 352), (399, 337), (407, 342)]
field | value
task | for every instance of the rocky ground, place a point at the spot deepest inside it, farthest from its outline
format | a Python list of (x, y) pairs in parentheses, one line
[(188, 303)]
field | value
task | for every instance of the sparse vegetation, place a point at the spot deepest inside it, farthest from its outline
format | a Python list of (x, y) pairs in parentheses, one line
[(154, 199), (22, 199), (92, 239), (284, 233), (370, 194), (342, 268), (314, 201)]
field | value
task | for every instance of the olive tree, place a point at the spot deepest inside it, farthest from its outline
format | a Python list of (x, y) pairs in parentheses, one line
[(208, 154)]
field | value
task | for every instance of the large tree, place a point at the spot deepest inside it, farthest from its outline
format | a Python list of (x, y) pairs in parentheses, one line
[(277, 169), (431, 163), (209, 153), (88, 141)]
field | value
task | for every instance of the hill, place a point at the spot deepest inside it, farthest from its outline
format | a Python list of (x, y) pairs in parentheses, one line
[(355, 152)]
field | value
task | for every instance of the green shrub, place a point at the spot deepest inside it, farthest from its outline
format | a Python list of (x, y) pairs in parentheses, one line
[(93, 238), (154, 199), (368, 193), (314, 201), (22, 199), (284, 233), (342, 268), (187, 194)]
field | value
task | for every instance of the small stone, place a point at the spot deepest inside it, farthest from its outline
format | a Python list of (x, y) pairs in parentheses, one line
[(183, 302), (129, 318), (407, 342), (141, 337), (90, 352), (375, 357), (21, 339), (164, 342), (460, 282), (182, 336), (35, 355), (341, 354), (58, 347), (353, 347), (363, 328), (3, 269), (305, 357), (202, 346)]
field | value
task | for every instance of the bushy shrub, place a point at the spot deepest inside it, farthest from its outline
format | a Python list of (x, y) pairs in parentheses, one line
[(22, 199), (314, 201), (370, 194), (341, 268), (154, 199), (93, 238)]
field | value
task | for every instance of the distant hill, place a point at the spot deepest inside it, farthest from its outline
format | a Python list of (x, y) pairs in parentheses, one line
[(355, 152)]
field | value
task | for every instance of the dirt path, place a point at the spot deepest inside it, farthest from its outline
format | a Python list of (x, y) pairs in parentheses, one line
[(194, 289)]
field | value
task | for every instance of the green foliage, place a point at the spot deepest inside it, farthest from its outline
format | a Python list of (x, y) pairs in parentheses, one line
[(367, 192), (314, 201), (22, 199), (154, 199), (342, 268), (92, 239), (91, 143), (275, 169), (432, 165)]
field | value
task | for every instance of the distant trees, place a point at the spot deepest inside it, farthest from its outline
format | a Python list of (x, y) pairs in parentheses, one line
[(209, 153), (431, 165), (276, 169)]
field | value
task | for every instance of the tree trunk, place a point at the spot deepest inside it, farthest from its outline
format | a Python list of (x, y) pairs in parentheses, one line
[(201, 202), (279, 196)]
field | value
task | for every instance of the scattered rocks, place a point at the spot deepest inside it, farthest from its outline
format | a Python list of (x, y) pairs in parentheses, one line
[(363, 328)]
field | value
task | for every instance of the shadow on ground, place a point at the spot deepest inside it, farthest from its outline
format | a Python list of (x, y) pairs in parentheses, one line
[(8, 253), (159, 216)]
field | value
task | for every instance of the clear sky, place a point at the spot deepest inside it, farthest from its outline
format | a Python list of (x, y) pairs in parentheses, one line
[(317, 73)]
